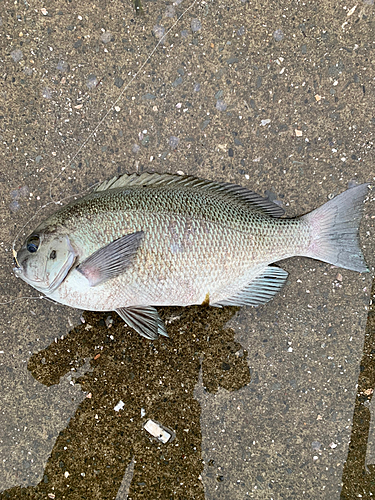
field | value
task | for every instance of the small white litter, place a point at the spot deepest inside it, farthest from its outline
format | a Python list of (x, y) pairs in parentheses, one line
[(265, 122), (157, 431), (120, 405)]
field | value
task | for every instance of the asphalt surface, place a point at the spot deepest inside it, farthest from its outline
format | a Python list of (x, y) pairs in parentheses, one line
[(268, 403)]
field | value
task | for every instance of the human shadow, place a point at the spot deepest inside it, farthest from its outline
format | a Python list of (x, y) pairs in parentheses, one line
[(152, 380), (358, 479)]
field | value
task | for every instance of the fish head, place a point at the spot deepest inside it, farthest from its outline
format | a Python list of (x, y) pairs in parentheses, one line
[(44, 260)]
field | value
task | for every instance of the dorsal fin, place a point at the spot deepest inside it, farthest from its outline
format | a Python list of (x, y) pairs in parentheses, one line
[(233, 191)]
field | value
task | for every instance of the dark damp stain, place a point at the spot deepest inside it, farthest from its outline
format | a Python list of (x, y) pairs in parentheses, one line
[(152, 380), (358, 476)]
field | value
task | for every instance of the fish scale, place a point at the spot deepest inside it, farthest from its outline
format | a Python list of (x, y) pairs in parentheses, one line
[(193, 257)]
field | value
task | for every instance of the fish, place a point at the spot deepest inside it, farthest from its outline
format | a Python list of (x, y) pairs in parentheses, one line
[(136, 242)]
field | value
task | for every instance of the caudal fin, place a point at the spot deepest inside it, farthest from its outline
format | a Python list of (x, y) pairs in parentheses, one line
[(335, 230)]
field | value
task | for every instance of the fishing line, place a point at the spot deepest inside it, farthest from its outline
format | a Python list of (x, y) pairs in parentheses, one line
[(42, 208), (93, 133), (103, 119), (23, 298)]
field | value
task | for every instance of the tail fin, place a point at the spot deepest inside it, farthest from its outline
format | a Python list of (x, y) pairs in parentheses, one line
[(334, 229)]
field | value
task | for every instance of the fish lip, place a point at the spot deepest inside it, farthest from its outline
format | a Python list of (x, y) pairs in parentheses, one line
[(17, 271)]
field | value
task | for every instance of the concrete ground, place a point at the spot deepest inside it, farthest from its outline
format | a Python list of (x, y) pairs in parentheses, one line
[(266, 403)]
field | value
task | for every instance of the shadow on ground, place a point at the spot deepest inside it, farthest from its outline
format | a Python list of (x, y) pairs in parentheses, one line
[(153, 380), (359, 477)]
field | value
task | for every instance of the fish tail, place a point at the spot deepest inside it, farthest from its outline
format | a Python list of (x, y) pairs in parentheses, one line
[(334, 230)]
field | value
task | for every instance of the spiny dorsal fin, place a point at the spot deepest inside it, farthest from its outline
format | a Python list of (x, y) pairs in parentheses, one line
[(233, 191)]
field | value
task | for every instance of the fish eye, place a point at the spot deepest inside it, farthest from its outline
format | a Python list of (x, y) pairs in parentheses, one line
[(52, 255), (32, 244)]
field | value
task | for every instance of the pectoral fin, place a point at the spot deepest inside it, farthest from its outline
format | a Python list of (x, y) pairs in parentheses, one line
[(112, 260), (144, 319)]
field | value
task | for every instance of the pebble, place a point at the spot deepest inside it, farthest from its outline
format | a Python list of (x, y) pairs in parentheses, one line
[(315, 445), (15, 194), (170, 11), (47, 93), (173, 141), (119, 82), (16, 55), (197, 87), (135, 148), (221, 105), (148, 97), (265, 122), (204, 124), (63, 66), (91, 81), (177, 82), (195, 25), (14, 206), (278, 35), (158, 31), (106, 37), (28, 71), (109, 321)]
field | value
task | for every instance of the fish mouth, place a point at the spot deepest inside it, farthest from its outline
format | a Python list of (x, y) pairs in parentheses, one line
[(17, 269)]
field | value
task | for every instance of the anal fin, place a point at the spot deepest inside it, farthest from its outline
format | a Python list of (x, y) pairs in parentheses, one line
[(260, 290)]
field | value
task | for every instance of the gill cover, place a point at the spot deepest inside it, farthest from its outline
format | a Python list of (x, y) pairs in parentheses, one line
[(44, 261)]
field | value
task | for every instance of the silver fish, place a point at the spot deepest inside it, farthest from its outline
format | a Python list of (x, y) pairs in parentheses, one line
[(158, 239)]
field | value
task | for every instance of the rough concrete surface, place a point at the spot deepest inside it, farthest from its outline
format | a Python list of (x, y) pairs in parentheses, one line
[(267, 403)]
